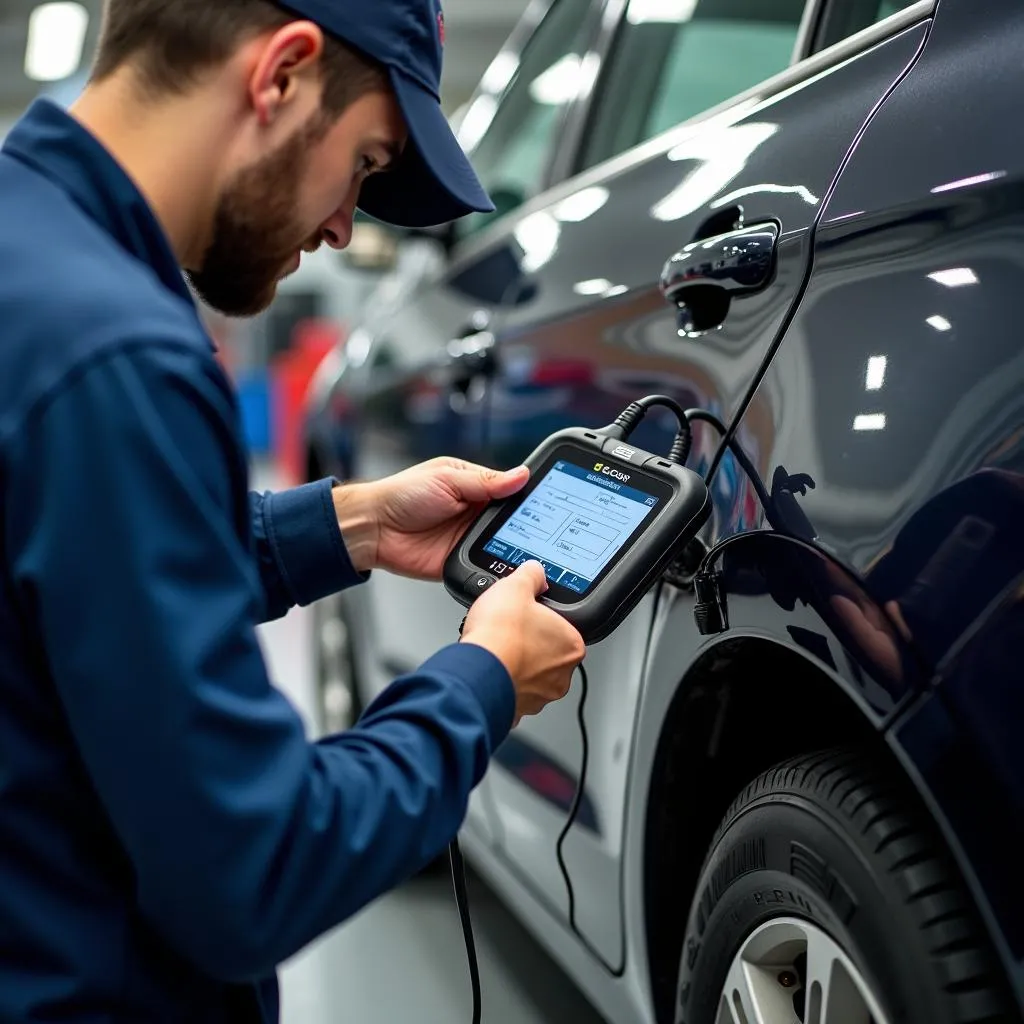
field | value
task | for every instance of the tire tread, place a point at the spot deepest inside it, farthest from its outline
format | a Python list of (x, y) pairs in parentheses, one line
[(873, 808)]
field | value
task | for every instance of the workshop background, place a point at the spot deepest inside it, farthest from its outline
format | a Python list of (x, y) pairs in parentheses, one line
[(414, 934)]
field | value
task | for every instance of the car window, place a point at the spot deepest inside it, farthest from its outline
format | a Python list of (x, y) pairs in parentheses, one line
[(842, 18), (673, 59), (515, 150)]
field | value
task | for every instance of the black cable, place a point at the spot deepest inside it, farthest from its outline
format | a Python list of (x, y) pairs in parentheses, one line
[(703, 416), (458, 863), (577, 799), (628, 420), (458, 866)]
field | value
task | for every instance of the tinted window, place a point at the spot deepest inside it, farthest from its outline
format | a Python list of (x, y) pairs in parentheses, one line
[(513, 155), (843, 18), (674, 59)]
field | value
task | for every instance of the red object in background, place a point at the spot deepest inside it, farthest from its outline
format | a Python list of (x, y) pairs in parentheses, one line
[(290, 377)]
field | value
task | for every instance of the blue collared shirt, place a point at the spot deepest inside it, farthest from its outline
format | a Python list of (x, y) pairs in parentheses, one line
[(168, 835)]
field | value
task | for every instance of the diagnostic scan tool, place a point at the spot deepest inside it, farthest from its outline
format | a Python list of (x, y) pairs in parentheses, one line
[(604, 519)]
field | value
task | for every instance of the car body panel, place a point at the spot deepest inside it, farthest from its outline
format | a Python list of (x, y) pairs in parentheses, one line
[(816, 574), (898, 389), (565, 358)]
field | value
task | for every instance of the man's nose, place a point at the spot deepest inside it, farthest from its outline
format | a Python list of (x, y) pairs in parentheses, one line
[(337, 232)]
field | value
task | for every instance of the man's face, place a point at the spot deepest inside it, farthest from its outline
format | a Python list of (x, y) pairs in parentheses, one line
[(293, 200)]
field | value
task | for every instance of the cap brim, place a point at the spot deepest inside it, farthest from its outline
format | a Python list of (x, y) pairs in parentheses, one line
[(433, 182)]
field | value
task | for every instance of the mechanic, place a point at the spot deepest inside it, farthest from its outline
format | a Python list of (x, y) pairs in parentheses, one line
[(168, 836)]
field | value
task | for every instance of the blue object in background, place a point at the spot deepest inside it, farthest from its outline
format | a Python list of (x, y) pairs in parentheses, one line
[(254, 399)]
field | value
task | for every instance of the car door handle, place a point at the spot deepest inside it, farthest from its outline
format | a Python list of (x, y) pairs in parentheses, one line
[(702, 280)]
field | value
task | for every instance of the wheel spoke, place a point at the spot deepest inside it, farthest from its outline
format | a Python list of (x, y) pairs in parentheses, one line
[(739, 998), (817, 976)]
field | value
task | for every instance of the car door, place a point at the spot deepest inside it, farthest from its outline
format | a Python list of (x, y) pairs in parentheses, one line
[(408, 384), (899, 390), (591, 330)]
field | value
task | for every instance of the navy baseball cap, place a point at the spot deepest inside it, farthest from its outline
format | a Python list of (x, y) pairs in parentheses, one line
[(433, 183)]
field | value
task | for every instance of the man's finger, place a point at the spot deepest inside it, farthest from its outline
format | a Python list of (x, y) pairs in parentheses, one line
[(531, 575), (478, 485)]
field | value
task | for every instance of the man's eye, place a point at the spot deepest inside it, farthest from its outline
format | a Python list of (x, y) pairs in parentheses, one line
[(369, 165)]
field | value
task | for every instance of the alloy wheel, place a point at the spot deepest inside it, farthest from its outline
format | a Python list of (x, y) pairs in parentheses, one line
[(790, 971)]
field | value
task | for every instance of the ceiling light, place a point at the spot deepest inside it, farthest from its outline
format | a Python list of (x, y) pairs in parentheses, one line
[(579, 207), (870, 421), (957, 277), (56, 38), (940, 323), (671, 11), (596, 286), (499, 74), (876, 373), (538, 235), (558, 85), (978, 179), (476, 121)]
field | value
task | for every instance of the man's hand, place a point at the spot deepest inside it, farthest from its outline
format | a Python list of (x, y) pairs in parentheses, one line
[(409, 523), (539, 648)]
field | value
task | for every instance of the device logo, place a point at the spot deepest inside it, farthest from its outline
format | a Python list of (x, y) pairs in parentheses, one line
[(601, 468)]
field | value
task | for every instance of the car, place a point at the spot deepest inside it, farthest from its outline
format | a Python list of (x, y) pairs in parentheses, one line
[(805, 787)]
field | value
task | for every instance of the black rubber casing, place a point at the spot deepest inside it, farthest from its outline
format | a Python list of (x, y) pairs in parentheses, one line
[(616, 590)]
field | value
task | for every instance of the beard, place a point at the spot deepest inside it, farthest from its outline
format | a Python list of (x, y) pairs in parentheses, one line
[(255, 231)]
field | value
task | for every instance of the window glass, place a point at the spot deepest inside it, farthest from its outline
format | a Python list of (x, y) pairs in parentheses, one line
[(843, 18), (674, 59), (519, 132)]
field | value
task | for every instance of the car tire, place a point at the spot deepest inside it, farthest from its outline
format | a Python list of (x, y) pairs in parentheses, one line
[(828, 896), (338, 700)]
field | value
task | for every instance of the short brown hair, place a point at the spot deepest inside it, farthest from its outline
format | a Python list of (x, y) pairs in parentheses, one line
[(171, 43)]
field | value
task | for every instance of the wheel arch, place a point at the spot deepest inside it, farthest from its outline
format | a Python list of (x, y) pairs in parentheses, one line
[(745, 704)]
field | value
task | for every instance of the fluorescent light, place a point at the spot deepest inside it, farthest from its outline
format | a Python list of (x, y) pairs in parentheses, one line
[(957, 277), (720, 157), (596, 286), (752, 190), (870, 421), (582, 205), (539, 235), (476, 121), (940, 323), (671, 11), (56, 37), (876, 373), (978, 179), (558, 85), (499, 74), (600, 286)]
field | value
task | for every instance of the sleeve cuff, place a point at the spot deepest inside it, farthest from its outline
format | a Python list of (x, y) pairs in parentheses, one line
[(486, 678), (303, 532)]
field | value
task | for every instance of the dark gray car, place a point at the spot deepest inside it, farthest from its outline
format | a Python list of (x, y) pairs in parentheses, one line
[(811, 809)]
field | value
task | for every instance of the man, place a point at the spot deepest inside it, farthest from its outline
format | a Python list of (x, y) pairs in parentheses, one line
[(167, 834)]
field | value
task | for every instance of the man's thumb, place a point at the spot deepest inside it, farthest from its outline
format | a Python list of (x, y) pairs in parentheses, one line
[(532, 576)]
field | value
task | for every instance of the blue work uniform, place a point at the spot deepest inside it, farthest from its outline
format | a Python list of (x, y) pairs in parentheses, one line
[(168, 835)]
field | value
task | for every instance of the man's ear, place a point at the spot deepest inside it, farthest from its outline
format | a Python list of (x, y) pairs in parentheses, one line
[(283, 61)]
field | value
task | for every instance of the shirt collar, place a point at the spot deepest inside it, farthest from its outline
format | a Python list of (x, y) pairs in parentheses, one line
[(57, 146)]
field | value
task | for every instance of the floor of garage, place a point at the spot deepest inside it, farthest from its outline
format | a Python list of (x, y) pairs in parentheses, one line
[(403, 959)]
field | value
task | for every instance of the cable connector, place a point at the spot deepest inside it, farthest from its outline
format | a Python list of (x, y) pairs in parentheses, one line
[(626, 422), (709, 611)]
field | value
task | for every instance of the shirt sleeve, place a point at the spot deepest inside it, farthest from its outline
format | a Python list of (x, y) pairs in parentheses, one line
[(300, 551), (126, 541)]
